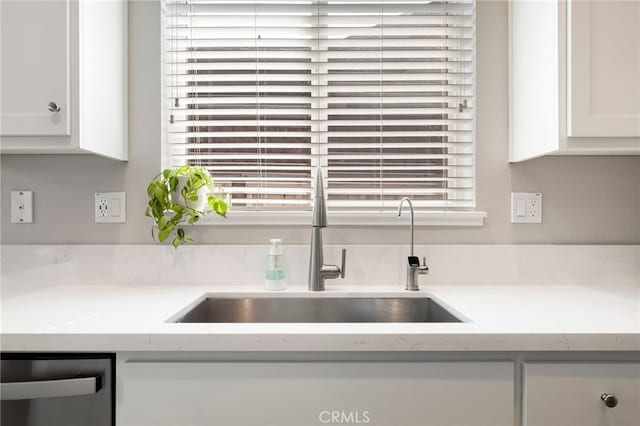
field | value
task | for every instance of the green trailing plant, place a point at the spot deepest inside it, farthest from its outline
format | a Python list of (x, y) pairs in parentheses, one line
[(169, 212)]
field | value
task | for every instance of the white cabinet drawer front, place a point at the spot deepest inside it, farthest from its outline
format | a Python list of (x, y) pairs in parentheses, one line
[(304, 394), (568, 394)]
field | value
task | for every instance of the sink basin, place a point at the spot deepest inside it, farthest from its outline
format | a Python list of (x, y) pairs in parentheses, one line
[(316, 309)]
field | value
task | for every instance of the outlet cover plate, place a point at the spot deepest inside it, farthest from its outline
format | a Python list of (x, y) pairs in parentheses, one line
[(526, 207), (110, 207), (21, 206)]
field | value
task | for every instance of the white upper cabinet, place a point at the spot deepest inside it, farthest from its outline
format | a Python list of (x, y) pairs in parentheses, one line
[(63, 75), (604, 69), (574, 78), (35, 67)]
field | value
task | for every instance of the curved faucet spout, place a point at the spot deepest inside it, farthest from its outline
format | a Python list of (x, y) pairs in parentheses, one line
[(411, 216), (319, 211), (318, 271)]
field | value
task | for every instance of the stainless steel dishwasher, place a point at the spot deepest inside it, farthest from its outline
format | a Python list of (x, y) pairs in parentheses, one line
[(57, 389)]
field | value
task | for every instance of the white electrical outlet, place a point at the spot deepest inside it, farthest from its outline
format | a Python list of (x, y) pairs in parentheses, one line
[(21, 206), (110, 207), (526, 207)]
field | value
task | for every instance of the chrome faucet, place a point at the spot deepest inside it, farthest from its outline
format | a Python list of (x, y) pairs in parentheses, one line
[(318, 271), (413, 263)]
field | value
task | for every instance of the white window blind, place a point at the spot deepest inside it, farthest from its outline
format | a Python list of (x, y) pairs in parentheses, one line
[(378, 92)]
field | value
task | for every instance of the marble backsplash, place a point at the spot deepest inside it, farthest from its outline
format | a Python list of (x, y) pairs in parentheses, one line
[(149, 265)]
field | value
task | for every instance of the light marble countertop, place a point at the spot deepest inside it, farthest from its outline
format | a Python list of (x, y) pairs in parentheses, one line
[(501, 318)]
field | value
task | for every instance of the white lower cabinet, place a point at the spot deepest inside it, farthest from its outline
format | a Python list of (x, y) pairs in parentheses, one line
[(569, 394), (316, 393)]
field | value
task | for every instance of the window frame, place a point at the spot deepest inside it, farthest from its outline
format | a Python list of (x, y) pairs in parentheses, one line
[(456, 218)]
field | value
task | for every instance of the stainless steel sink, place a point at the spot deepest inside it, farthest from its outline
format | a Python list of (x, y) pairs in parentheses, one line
[(316, 309)]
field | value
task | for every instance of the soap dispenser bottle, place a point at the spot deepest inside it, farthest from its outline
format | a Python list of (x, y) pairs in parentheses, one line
[(275, 278)]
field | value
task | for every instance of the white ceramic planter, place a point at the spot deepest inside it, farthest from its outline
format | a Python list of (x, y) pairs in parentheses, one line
[(200, 204)]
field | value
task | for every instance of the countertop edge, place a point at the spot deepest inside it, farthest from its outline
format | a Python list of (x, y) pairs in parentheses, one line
[(318, 342)]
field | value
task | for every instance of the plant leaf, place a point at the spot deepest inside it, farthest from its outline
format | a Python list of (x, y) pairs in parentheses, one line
[(176, 243), (165, 232), (157, 212), (211, 200), (158, 192), (181, 233), (177, 218), (217, 205)]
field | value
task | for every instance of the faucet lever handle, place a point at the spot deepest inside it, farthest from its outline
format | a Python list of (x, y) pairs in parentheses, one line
[(423, 269), (344, 262)]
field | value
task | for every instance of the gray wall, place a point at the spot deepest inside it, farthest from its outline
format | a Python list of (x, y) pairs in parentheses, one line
[(586, 199)]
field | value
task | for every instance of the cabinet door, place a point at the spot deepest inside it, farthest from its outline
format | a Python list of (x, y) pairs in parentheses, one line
[(34, 67), (604, 68), (566, 394), (305, 394)]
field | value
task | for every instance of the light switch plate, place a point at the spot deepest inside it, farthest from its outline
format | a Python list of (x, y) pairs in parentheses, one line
[(110, 207), (21, 206), (526, 207)]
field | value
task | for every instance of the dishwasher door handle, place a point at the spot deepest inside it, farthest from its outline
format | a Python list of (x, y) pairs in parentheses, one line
[(50, 388)]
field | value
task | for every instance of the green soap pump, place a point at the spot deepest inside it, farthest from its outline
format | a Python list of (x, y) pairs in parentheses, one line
[(275, 278)]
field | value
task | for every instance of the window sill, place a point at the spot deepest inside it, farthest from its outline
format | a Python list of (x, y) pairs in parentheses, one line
[(266, 218)]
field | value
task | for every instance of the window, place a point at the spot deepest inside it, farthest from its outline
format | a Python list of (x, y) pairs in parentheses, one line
[(379, 93)]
